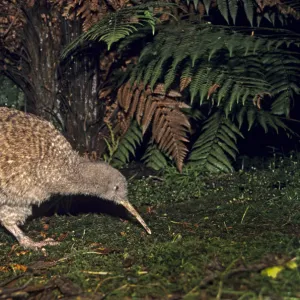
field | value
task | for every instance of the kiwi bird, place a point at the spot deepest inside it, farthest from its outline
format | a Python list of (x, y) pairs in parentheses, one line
[(36, 161)]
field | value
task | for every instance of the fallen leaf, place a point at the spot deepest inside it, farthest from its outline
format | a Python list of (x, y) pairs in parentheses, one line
[(19, 267), (3, 269), (272, 271)]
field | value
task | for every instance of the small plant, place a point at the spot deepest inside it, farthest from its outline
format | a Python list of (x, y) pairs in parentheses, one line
[(112, 144)]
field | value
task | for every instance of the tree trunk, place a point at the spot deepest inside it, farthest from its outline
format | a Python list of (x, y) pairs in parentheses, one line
[(65, 94)]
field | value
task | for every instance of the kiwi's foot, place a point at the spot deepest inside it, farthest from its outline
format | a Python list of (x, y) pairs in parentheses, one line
[(28, 243)]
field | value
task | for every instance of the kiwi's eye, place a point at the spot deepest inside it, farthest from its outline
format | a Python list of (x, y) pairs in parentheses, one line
[(116, 187)]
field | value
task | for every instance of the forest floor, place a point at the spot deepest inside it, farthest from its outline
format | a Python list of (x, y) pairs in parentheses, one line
[(229, 236)]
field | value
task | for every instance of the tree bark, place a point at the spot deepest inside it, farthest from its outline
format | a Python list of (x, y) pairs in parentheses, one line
[(65, 94)]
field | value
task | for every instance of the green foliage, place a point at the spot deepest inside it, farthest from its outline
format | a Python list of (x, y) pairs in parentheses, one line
[(127, 145), (216, 142), (265, 119), (230, 72), (231, 75), (240, 64), (203, 235), (118, 25), (282, 72), (10, 94), (112, 145), (255, 11), (154, 158)]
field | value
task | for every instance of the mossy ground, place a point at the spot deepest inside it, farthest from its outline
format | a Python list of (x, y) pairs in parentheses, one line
[(212, 238)]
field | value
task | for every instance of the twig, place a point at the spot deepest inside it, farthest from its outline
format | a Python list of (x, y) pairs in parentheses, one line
[(245, 214), (4, 283), (209, 279), (104, 280), (97, 273), (9, 291)]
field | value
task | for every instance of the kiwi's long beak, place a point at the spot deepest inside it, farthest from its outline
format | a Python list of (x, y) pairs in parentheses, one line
[(132, 210)]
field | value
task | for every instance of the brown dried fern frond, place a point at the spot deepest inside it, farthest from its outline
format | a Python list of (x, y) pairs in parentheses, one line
[(170, 128), (170, 125), (184, 82), (89, 11), (285, 7), (141, 106), (150, 108), (124, 96), (12, 20), (212, 90), (160, 90), (134, 102)]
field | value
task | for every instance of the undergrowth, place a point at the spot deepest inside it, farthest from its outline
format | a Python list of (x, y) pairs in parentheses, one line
[(233, 236)]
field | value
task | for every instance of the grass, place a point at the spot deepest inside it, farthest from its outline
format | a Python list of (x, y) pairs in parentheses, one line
[(214, 237)]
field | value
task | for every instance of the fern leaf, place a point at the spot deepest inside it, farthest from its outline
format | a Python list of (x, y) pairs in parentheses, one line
[(150, 109), (216, 141), (222, 6), (251, 117), (135, 101), (154, 158), (207, 5), (233, 8), (186, 77), (228, 141), (225, 89), (249, 10), (124, 97), (220, 160), (233, 127), (200, 83), (262, 121), (115, 26), (157, 71), (271, 122), (234, 98), (169, 132), (127, 144), (141, 107), (226, 149), (149, 71), (240, 116)]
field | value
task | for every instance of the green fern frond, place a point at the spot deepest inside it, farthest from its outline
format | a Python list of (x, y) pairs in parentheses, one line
[(207, 4), (154, 158), (171, 75), (265, 119), (233, 9), (251, 117), (225, 89), (127, 145), (149, 71), (200, 50), (201, 82), (223, 8), (122, 23), (234, 98), (254, 10), (282, 71), (272, 121), (249, 10), (125, 43), (216, 142), (157, 70)]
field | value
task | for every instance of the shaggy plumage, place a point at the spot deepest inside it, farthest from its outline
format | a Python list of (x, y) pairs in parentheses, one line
[(36, 161)]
